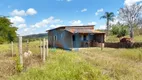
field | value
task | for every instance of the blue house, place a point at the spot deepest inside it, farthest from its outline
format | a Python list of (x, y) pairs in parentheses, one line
[(69, 37)]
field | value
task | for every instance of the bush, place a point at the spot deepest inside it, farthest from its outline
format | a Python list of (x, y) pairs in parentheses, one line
[(119, 30), (1, 40)]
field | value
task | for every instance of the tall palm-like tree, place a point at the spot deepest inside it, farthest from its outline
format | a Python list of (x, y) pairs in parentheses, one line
[(109, 16)]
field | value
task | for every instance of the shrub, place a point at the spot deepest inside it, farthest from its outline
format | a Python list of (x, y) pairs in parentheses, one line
[(1, 40), (119, 30)]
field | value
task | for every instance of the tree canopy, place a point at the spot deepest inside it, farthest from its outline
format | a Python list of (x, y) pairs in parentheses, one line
[(7, 31), (109, 16), (119, 29), (131, 15)]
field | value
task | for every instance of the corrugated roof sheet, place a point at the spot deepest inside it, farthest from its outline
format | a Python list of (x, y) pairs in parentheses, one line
[(85, 26), (79, 29), (83, 31)]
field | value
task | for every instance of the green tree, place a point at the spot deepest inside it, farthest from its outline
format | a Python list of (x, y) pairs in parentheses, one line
[(7, 31), (119, 29), (109, 16)]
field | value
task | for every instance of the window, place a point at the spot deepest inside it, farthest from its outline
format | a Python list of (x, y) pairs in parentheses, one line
[(55, 38), (84, 38)]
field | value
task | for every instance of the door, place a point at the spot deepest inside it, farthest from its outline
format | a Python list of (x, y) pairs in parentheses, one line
[(76, 41), (73, 39)]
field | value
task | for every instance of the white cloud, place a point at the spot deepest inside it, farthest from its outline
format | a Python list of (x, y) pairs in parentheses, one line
[(99, 11), (117, 12), (92, 23), (26, 29), (84, 10), (22, 26), (130, 2), (54, 26), (116, 20), (17, 12), (46, 22), (101, 27), (31, 11), (17, 20), (76, 22)]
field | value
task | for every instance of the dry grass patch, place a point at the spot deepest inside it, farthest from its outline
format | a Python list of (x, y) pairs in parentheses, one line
[(112, 64)]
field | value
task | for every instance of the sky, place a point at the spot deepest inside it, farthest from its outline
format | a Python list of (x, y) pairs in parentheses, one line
[(37, 16)]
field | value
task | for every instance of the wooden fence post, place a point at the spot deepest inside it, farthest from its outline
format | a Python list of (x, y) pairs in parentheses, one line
[(20, 51), (27, 45), (46, 47), (102, 46), (41, 52), (44, 50), (12, 49)]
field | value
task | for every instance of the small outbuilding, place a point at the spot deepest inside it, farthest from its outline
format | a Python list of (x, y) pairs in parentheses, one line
[(69, 37)]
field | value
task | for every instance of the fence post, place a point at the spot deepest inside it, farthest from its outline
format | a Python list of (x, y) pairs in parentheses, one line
[(20, 51), (12, 48), (27, 45), (102, 46), (46, 47), (44, 50), (41, 52)]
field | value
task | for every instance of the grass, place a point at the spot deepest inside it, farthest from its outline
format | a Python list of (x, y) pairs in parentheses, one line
[(115, 63), (115, 39), (63, 65), (85, 64), (138, 38), (132, 54), (112, 39), (4, 48)]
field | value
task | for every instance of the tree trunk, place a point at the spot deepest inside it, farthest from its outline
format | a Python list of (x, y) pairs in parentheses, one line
[(107, 31), (131, 32)]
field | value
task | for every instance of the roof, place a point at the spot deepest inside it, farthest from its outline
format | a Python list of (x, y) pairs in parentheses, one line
[(63, 27), (83, 31), (79, 29)]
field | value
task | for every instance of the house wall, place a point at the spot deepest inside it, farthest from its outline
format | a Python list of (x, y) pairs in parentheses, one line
[(67, 40), (63, 39), (99, 38), (52, 41), (77, 42), (93, 40)]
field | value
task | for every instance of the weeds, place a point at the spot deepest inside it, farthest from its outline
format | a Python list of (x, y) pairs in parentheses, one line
[(63, 65), (87, 64)]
